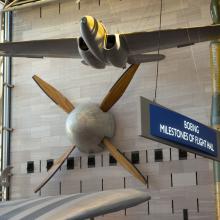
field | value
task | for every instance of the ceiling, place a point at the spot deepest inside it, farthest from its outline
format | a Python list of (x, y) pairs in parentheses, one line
[(11, 5)]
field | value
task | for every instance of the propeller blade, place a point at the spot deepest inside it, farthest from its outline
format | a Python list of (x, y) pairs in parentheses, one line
[(124, 161), (54, 94), (57, 164), (119, 88)]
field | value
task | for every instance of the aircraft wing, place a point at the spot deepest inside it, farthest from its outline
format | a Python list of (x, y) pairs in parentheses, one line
[(143, 42), (136, 43), (75, 206), (63, 48)]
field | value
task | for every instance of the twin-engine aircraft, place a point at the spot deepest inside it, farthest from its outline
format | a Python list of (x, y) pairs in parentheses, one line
[(98, 49)]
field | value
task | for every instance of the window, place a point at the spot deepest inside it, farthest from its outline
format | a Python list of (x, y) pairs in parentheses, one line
[(112, 161), (147, 182), (49, 164), (91, 161), (146, 156), (70, 163), (30, 166), (102, 160), (148, 208), (171, 180), (172, 204), (196, 178), (135, 157), (81, 183), (158, 155), (102, 184), (182, 154), (185, 214)]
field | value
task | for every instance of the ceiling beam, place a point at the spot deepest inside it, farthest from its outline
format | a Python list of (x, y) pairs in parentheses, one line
[(19, 4)]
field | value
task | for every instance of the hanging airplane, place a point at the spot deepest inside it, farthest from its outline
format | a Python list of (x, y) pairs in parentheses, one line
[(74, 206), (97, 48)]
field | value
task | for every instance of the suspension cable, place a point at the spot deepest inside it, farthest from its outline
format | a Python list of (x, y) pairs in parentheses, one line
[(158, 51)]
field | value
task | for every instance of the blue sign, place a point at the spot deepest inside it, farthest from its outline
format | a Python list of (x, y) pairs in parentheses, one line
[(180, 129)]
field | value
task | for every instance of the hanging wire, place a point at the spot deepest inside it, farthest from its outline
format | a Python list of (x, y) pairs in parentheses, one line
[(158, 51), (201, 86)]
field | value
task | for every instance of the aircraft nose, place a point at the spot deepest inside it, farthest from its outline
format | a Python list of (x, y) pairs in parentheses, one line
[(84, 20), (87, 23)]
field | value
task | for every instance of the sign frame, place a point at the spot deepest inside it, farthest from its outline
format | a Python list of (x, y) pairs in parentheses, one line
[(144, 130)]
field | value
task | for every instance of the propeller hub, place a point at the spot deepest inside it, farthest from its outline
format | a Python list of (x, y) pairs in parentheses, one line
[(87, 125)]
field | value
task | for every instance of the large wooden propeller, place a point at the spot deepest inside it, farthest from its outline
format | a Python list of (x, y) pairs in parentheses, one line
[(123, 160), (57, 164), (54, 94), (118, 88), (110, 99)]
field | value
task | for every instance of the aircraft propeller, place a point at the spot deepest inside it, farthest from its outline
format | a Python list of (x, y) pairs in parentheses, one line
[(110, 99)]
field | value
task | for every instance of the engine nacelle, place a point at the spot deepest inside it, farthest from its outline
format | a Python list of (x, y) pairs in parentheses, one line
[(93, 33), (115, 51), (88, 57)]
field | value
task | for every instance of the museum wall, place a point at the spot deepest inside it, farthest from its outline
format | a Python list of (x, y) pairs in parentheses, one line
[(183, 85)]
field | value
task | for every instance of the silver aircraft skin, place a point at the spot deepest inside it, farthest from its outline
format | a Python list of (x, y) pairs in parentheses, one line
[(96, 48), (73, 206), (87, 125)]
